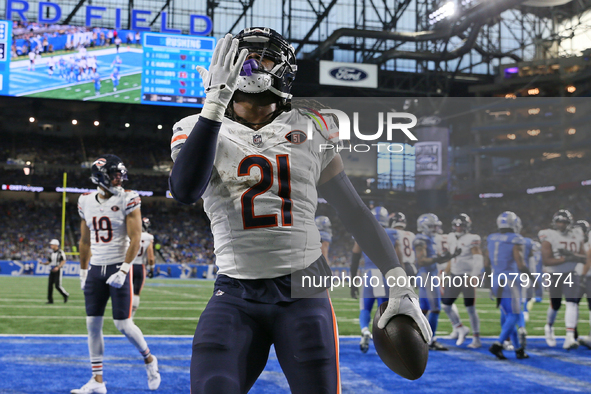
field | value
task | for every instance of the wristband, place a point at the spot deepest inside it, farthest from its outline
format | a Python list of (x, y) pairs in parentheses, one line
[(125, 267)]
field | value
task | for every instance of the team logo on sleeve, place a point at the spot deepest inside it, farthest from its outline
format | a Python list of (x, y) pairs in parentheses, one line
[(296, 137), (257, 140)]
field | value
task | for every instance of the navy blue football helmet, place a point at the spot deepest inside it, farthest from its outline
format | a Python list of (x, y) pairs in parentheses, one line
[(145, 224), (398, 219), (268, 44), (104, 170), (461, 224)]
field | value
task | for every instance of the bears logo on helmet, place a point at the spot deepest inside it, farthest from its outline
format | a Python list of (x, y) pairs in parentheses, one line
[(461, 223), (398, 219), (100, 162)]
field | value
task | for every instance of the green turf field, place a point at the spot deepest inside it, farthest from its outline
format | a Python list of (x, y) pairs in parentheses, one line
[(129, 91), (172, 307)]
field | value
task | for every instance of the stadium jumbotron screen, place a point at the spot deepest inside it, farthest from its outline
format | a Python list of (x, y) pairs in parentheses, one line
[(101, 64)]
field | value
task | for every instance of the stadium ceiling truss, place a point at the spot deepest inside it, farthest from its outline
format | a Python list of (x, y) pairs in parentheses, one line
[(398, 35)]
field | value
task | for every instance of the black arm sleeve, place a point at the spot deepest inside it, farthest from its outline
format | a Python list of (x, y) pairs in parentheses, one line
[(191, 172), (358, 220), (355, 263)]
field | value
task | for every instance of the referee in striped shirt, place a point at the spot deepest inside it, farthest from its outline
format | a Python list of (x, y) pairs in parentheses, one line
[(57, 259)]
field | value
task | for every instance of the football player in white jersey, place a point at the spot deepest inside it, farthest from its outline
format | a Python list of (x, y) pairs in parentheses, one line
[(110, 229), (143, 260), (257, 171), (583, 277), (468, 262), (324, 227), (562, 249), (404, 243)]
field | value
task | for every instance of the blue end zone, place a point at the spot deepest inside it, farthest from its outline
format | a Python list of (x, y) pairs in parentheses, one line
[(57, 364)]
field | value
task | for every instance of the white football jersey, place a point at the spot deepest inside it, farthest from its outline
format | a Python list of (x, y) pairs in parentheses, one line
[(441, 244), (142, 254), (406, 238), (106, 221), (261, 198), (579, 267), (570, 241), (464, 263)]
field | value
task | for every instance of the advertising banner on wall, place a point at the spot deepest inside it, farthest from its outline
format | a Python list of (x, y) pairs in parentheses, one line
[(348, 74)]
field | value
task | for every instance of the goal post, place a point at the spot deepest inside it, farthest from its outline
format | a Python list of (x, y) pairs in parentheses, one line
[(65, 183)]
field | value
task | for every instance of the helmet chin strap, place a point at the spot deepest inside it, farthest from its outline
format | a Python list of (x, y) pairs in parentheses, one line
[(114, 190)]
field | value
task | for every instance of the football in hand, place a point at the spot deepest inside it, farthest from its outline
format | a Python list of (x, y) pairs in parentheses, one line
[(400, 345)]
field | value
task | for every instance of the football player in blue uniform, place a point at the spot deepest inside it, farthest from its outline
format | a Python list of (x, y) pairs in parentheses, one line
[(427, 259), (370, 293), (324, 228), (259, 184), (505, 249), (115, 78)]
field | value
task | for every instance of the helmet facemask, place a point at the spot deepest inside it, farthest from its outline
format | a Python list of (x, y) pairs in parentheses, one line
[(254, 76)]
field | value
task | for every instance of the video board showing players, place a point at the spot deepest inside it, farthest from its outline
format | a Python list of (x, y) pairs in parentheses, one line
[(101, 64)]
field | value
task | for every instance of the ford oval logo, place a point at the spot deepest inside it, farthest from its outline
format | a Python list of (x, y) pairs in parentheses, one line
[(426, 159), (348, 74)]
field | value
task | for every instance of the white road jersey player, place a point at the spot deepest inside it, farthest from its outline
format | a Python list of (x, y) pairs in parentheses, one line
[(106, 221), (142, 255), (404, 243), (465, 262), (257, 176), (571, 240)]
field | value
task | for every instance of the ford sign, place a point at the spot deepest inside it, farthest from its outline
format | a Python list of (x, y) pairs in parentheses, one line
[(348, 74), (424, 159)]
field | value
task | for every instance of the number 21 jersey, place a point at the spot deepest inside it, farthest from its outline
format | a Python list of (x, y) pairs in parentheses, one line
[(261, 198)]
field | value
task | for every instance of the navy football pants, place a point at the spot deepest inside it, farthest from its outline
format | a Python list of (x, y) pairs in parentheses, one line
[(97, 292), (233, 338)]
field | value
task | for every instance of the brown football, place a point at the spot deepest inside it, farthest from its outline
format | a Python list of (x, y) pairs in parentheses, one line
[(400, 345)]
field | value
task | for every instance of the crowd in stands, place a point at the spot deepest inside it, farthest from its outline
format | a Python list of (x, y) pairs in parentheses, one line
[(45, 38), (27, 227), (139, 153), (182, 233)]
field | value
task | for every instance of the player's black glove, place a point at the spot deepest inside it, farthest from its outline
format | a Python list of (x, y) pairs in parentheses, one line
[(570, 256), (354, 292), (457, 253), (487, 280), (150, 273)]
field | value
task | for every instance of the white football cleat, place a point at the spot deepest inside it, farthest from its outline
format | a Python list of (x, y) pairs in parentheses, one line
[(475, 343), (507, 345), (549, 333), (453, 334), (462, 332), (92, 387), (153, 374), (364, 342), (570, 341)]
